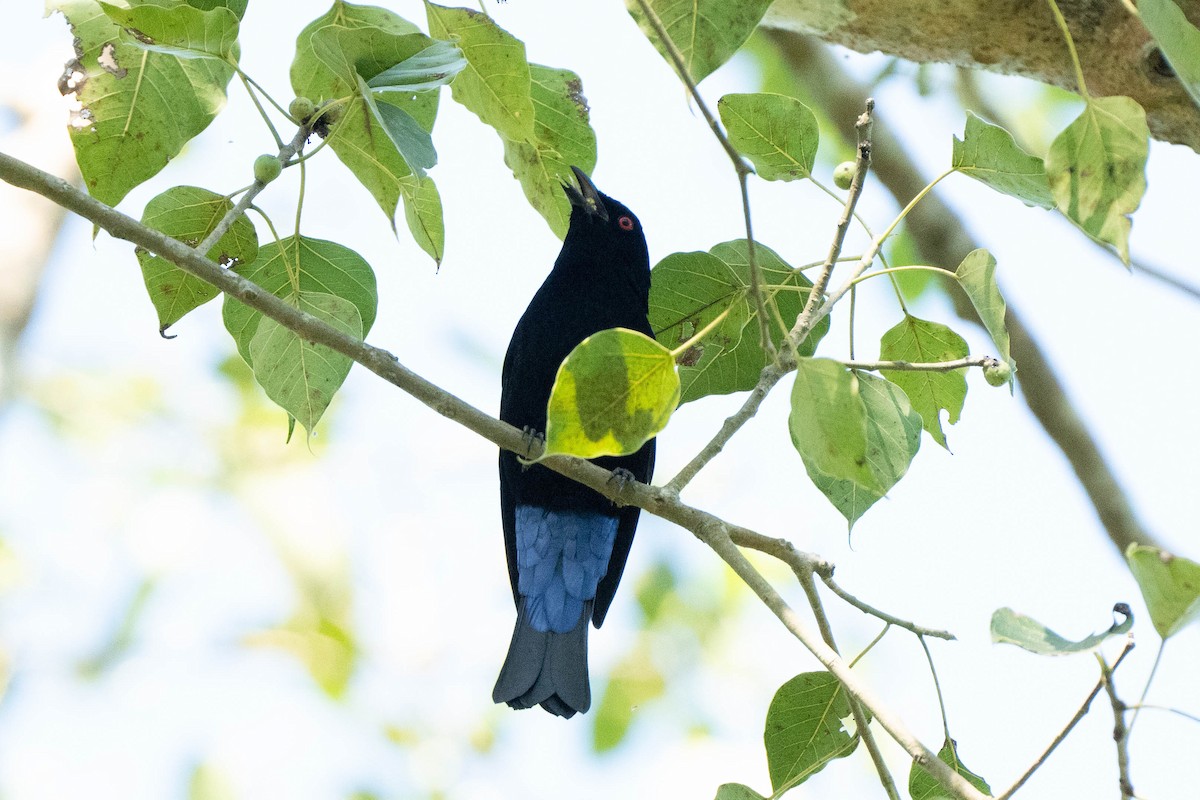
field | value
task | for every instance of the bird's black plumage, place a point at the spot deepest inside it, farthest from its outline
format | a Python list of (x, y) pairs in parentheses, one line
[(567, 544)]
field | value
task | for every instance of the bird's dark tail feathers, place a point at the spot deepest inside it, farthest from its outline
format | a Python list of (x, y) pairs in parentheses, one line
[(546, 668)]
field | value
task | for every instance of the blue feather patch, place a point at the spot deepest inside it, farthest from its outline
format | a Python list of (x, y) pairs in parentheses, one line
[(561, 556)]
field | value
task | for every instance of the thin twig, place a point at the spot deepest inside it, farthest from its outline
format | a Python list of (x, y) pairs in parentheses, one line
[(713, 531), (1149, 680), (739, 165), (285, 152), (919, 366), (866, 608), (1120, 731), (937, 686), (1062, 735), (1153, 707), (887, 626), (862, 723), (773, 373)]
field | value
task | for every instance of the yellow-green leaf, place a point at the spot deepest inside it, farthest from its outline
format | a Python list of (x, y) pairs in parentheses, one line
[(989, 154), (1011, 627), (1178, 39), (613, 393), (922, 786), (1097, 169), (1170, 586), (828, 422), (706, 32)]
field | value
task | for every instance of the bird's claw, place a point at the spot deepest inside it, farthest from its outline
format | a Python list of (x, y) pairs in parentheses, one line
[(532, 436), (621, 478)]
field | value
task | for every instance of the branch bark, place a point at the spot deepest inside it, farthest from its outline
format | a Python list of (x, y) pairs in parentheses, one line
[(942, 240), (1117, 53), (718, 534)]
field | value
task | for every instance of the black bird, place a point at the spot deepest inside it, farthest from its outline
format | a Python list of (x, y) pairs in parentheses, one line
[(567, 544)]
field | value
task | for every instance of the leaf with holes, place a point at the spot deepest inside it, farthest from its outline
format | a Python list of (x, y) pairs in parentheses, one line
[(137, 109), (613, 393), (1097, 169), (562, 138), (189, 213), (806, 728), (989, 154), (705, 32), (1170, 586), (923, 342), (777, 133), (688, 291)]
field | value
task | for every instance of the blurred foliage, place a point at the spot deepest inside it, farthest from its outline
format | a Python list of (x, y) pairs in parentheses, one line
[(209, 783), (122, 638)]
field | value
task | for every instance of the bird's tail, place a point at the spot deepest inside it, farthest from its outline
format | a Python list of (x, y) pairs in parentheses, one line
[(546, 668)]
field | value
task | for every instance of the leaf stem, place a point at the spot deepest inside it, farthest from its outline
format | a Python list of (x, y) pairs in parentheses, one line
[(262, 112), (934, 366), (700, 334), (1066, 32), (739, 165)]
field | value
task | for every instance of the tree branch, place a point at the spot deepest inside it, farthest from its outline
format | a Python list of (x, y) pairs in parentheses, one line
[(1116, 51), (713, 531), (918, 366)]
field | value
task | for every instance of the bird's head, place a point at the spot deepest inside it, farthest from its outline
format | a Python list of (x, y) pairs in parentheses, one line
[(602, 225)]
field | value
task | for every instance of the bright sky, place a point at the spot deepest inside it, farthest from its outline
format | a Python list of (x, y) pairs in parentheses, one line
[(131, 481)]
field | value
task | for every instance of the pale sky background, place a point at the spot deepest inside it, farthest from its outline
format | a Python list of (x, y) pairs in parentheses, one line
[(127, 480)]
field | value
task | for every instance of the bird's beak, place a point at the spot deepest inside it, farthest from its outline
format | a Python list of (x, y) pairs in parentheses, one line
[(586, 197)]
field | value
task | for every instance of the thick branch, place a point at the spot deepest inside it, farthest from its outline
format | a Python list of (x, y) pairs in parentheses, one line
[(1118, 55), (942, 240), (713, 531)]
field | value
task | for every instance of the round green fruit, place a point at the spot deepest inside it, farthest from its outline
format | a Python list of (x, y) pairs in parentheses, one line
[(302, 108), (998, 373), (267, 168), (843, 174)]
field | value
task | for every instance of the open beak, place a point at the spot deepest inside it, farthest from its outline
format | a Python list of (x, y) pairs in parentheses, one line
[(586, 197)]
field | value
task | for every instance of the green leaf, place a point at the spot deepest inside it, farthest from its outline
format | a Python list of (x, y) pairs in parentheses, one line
[(706, 32), (1170, 586), (806, 728), (977, 276), (922, 786), (423, 215), (137, 108), (189, 213), (332, 52), (1178, 39), (690, 290), (777, 133), (634, 681), (893, 439), (299, 376), (920, 341), (828, 422), (1029, 634), (1097, 169), (989, 154), (413, 142), (300, 266), (562, 138), (736, 791), (434, 66), (178, 29), (496, 84), (613, 393)]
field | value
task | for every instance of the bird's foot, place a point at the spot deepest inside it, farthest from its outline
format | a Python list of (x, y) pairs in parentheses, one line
[(621, 478), (532, 436)]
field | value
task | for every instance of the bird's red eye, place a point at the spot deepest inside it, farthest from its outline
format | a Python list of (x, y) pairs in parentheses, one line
[(626, 223)]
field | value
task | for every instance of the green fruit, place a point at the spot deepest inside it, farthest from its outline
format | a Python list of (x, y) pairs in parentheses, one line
[(843, 174), (267, 168), (997, 373), (302, 108)]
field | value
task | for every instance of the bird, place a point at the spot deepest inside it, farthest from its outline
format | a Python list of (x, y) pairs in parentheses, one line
[(567, 544)]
